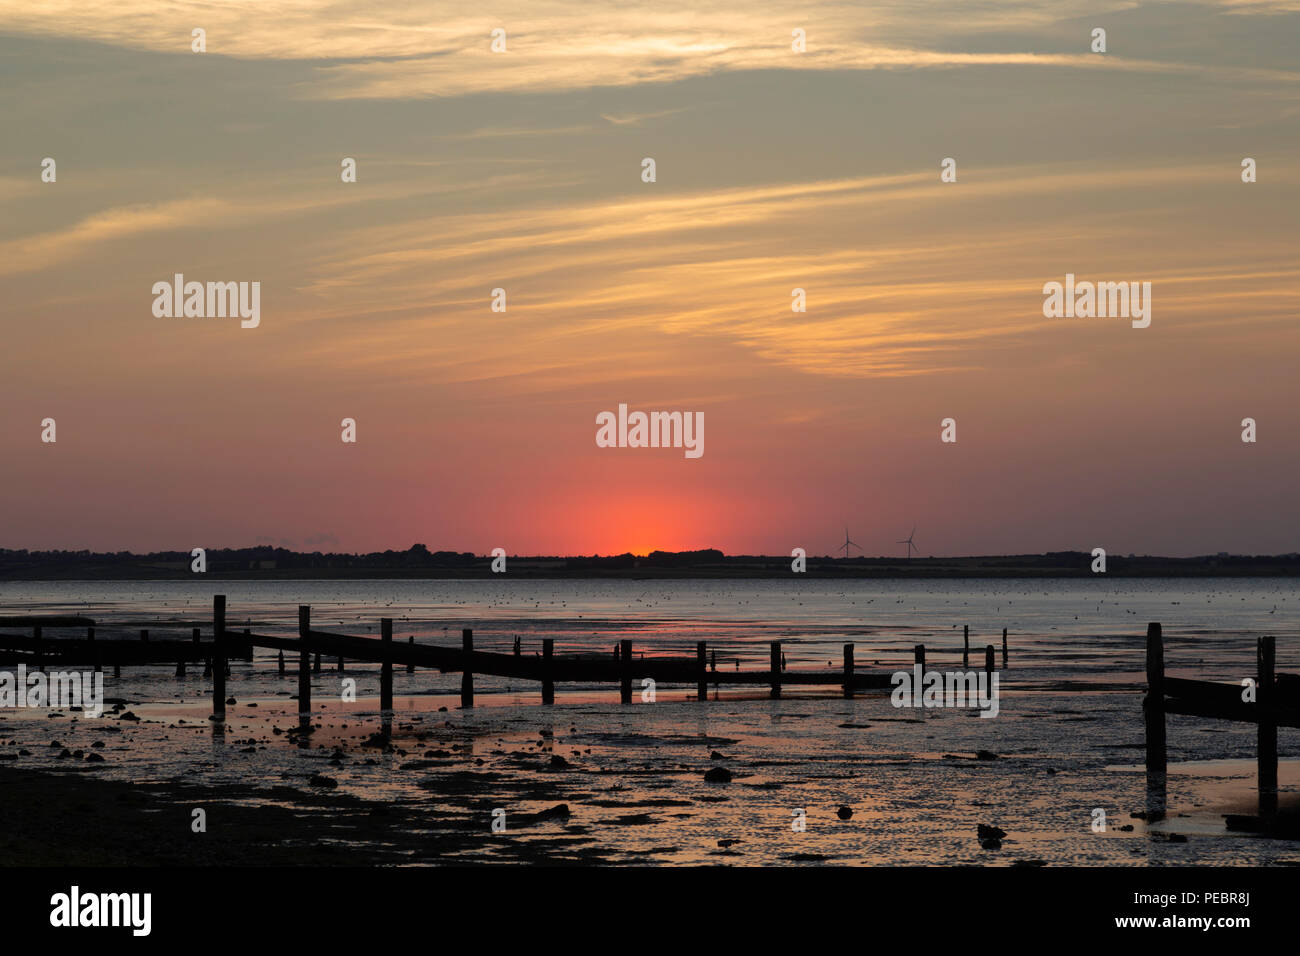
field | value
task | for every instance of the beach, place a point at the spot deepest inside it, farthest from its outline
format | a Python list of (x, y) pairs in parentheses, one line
[(589, 780)]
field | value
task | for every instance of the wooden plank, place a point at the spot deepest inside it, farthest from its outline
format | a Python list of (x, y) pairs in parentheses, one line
[(548, 682), (386, 664), (1266, 703), (467, 673), (702, 665), (625, 675), (1153, 706), (304, 663), (218, 657)]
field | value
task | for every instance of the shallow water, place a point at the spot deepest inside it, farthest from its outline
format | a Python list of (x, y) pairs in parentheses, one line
[(634, 784)]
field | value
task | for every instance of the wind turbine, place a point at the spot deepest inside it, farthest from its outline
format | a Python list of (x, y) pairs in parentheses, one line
[(908, 541), (847, 543)]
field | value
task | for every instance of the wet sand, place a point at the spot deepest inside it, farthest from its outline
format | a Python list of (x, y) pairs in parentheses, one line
[(593, 782)]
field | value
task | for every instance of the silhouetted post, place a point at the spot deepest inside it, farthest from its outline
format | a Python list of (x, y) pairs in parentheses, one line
[(848, 670), (386, 665), (40, 647), (548, 684), (219, 656), (248, 644), (340, 663), (776, 669), (117, 667), (702, 663), (625, 662), (281, 662), (1154, 705), (965, 645), (94, 649), (1265, 705), (918, 654), (466, 674), (304, 663), (989, 664), (181, 654), (410, 664), (315, 667), (1004, 648)]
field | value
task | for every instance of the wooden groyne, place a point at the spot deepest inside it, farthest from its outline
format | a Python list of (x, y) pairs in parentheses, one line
[(547, 668), (1276, 704)]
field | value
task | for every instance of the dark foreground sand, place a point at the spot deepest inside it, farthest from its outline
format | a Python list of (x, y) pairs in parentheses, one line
[(600, 783)]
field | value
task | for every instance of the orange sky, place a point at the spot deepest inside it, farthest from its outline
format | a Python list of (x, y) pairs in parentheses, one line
[(775, 170)]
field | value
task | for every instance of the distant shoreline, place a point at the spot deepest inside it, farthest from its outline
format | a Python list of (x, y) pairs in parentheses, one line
[(279, 564)]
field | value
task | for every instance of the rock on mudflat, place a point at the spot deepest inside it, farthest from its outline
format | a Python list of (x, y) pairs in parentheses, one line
[(717, 775), (987, 832), (991, 843), (320, 780), (844, 813)]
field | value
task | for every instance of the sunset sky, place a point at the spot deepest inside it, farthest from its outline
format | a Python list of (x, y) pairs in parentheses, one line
[(775, 170)]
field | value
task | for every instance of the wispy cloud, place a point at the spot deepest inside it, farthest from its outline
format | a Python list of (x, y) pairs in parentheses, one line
[(420, 50)]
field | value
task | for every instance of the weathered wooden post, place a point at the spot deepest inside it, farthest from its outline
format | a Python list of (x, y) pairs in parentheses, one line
[(989, 664), (340, 667), (280, 662), (918, 655), (248, 644), (219, 657), (410, 663), (1266, 710), (848, 670), (94, 649), (304, 663), (548, 682), (1004, 648), (965, 645), (625, 677), (315, 667), (40, 648), (182, 654), (702, 664), (775, 663), (1153, 706), (467, 672), (386, 664)]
